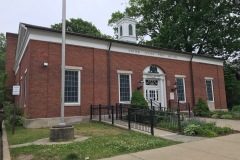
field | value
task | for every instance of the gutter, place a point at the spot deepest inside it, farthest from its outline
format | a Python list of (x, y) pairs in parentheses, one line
[(192, 82), (109, 73)]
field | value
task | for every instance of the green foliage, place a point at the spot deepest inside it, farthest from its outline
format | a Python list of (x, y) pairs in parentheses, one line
[(201, 108), (72, 156), (138, 99), (226, 116), (197, 127), (80, 26), (232, 85), (191, 130), (205, 27), (236, 108), (3, 75), (9, 110)]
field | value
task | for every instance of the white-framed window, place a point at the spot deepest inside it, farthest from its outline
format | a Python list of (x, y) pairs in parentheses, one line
[(209, 89), (21, 91), (181, 94), (125, 86), (72, 86)]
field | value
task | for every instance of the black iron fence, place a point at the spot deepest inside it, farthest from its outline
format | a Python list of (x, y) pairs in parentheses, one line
[(138, 117)]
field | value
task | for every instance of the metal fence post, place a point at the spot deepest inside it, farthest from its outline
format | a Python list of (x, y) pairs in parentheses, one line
[(129, 118), (151, 121), (100, 112), (189, 111), (91, 112), (178, 115), (112, 115), (121, 110), (116, 111)]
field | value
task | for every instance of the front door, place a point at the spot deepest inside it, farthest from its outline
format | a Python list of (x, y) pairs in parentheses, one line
[(152, 91)]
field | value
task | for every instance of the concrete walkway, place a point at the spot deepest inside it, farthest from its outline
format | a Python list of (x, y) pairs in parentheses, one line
[(220, 148)]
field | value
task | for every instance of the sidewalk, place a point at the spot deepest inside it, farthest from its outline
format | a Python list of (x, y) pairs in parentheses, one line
[(220, 148)]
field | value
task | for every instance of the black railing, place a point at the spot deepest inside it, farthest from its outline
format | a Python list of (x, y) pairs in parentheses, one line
[(137, 117)]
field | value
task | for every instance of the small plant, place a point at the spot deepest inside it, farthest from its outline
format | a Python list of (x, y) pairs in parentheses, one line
[(191, 130), (138, 99), (9, 110), (72, 156), (201, 109), (236, 109), (226, 116)]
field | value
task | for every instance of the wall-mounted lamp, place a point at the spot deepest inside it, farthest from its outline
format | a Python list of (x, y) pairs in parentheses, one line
[(174, 86), (140, 84), (45, 64)]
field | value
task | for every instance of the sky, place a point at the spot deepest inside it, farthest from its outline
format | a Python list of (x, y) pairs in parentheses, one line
[(47, 12)]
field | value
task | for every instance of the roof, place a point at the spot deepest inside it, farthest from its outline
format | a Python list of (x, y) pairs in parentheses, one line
[(117, 41)]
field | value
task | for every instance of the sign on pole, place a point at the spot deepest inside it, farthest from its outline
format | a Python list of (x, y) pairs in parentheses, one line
[(16, 90)]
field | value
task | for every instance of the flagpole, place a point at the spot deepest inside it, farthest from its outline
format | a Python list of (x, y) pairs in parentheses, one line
[(63, 60)]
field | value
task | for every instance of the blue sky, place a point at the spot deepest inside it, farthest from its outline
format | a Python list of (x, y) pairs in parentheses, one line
[(47, 12)]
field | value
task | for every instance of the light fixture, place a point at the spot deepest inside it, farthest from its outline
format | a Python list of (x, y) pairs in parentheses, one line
[(140, 83), (45, 64), (174, 86)]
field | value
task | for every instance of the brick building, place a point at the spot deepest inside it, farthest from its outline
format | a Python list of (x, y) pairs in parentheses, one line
[(103, 71)]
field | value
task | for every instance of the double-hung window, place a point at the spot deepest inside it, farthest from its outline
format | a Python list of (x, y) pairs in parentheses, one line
[(180, 82), (209, 89), (72, 86), (125, 89)]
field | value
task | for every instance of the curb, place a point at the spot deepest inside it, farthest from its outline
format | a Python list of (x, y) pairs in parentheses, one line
[(6, 153)]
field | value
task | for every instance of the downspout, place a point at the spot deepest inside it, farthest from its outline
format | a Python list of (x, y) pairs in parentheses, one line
[(192, 81), (109, 73)]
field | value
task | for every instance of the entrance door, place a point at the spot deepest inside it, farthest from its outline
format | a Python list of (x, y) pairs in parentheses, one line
[(152, 91)]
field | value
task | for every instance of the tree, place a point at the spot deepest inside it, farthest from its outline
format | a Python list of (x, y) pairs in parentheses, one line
[(232, 83), (138, 99), (3, 75), (80, 26), (2, 51), (199, 26)]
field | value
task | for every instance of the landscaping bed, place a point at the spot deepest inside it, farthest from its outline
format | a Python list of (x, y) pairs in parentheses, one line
[(104, 141)]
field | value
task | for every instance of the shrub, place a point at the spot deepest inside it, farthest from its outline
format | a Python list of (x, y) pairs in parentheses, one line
[(9, 110), (191, 130), (72, 156), (201, 109), (138, 99), (215, 116), (226, 116), (236, 109), (236, 115)]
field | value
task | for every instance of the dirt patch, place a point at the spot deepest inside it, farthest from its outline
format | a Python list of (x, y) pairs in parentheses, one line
[(26, 157)]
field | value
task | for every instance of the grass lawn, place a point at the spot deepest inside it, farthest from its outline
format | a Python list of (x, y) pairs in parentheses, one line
[(104, 141)]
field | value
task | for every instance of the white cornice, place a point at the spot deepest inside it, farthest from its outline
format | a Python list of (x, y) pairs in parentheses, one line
[(48, 36)]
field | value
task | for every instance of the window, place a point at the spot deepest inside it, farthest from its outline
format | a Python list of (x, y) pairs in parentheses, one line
[(72, 87), (121, 31), (130, 29), (180, 89), (125, 91), (209, 90)]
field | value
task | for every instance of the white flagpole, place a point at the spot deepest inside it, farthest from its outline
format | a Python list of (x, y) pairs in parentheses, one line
[(63, 60)]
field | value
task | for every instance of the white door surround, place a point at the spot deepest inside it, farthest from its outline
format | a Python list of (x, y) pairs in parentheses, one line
[(154, 85)]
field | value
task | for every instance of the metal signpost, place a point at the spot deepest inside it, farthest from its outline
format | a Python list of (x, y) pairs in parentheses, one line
[(15, 92)]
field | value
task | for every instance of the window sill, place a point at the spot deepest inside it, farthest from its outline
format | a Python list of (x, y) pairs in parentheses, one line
[(71, 104)]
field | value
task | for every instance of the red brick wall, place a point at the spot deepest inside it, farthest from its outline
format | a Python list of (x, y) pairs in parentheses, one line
[(10, 57), (44, 88)]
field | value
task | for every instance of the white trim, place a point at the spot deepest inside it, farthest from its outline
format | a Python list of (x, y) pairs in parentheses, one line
[(180, 76), (208, 78), (25, 71), (73, 68), (124, 72), (48, 36), (211, 79), (78, 69), (130, 88), (184, 87)]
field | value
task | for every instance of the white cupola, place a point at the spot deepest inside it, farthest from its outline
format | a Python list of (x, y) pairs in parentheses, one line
[(127, 30)]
